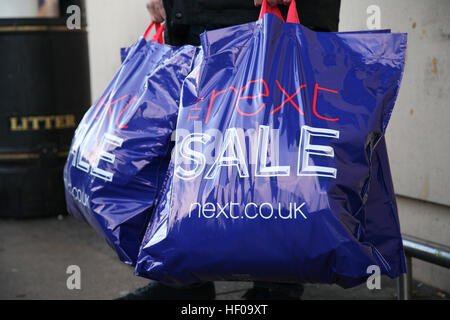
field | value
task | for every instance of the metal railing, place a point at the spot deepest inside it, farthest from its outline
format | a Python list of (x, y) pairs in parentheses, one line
[(415, 248)]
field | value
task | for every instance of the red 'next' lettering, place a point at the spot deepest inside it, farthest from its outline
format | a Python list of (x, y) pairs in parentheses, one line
[(213, 96), (316, 89), (258, 86), (111, 103), (289, 99), (265, 94)]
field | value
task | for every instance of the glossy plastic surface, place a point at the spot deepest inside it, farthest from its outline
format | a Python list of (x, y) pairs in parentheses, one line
[(122, 145), (280, 171)]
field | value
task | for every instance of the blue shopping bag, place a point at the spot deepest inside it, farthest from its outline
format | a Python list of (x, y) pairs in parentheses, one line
[(279, 142), (122, 146)]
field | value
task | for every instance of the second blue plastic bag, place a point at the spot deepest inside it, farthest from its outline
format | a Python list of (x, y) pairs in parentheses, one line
[(122, 146)]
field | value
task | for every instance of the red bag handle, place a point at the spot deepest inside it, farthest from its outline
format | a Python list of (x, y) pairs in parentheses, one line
[(158, 36), (292, 15), (265, 8)]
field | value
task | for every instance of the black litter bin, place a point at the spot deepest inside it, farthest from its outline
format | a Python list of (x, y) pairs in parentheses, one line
[(44, 92)]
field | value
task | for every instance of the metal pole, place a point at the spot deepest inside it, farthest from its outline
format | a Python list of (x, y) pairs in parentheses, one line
[(404, 281), (431, 253)]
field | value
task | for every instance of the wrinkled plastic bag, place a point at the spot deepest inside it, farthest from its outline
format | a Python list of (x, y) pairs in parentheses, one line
[(280, 138), (121, 148)]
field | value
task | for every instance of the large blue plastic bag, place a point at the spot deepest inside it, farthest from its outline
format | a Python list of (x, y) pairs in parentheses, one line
[(317, 102), (122, 146)]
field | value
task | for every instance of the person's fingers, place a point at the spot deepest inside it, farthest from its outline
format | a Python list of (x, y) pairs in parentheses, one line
[(160, 10), (258, 2), (156, 9), (157, 17), (163, 12)]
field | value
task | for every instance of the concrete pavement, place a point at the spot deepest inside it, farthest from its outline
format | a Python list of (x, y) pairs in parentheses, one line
[(35, 254)]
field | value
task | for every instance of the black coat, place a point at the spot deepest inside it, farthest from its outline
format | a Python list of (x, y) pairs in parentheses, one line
[(187, 18)]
